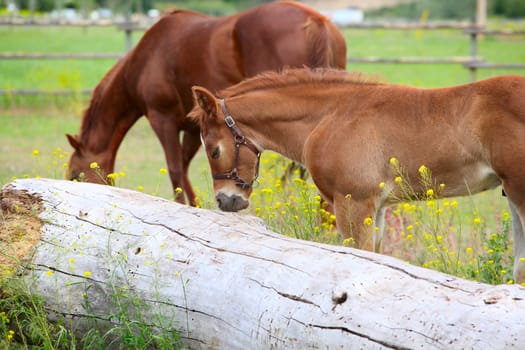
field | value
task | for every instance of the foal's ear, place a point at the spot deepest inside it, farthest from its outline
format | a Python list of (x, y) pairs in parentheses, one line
[(74, 141), (205, 99)]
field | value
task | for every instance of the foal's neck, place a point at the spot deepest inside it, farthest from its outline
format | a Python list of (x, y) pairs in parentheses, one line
[(278, 122)]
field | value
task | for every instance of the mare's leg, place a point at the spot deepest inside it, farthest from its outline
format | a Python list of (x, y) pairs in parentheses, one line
[(518, 241), (355, 220), (167, 130), (190, 145)]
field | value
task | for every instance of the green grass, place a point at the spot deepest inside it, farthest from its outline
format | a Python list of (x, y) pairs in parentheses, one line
[(438, 43), (57, 74)]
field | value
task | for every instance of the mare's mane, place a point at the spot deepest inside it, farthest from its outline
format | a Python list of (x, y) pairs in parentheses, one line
[(101, 94), (297, 76)]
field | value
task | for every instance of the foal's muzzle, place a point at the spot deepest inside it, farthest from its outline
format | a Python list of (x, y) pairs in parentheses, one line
[(231, 203)]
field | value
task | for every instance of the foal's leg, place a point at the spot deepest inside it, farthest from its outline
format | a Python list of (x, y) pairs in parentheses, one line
[(519, 243), (355, 220), (167, 130), (190, 145)]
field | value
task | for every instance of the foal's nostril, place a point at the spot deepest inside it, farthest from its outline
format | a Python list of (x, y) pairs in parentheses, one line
[(219, 202)]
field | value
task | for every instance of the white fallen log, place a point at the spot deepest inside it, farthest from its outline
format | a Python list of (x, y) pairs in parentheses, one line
[(225, 281)]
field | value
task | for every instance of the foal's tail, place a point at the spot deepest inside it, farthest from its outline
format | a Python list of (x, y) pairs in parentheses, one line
[(328, 44)]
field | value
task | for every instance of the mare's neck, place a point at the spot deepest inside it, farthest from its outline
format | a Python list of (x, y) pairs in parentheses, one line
[(109, 116)]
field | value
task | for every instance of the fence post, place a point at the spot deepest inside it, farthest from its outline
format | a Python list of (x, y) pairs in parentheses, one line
[(473, 52), (481, 19), (128, 30)]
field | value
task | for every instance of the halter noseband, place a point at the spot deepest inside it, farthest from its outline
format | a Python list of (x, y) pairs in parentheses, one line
[(239, 139)]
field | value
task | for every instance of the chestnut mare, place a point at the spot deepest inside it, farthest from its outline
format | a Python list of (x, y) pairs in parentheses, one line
[(348, 131), (186, 48)]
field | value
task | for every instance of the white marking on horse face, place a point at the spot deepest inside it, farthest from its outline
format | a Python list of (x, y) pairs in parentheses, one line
[(231, 189), (204, 143)]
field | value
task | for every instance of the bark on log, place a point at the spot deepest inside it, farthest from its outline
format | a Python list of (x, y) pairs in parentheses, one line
[(225, 281)]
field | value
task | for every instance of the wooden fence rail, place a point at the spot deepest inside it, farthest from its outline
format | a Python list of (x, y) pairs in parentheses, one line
[(60, 56), (473, 62)]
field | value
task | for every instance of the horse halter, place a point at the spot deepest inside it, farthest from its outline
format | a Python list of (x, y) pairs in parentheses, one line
[(239, 140)]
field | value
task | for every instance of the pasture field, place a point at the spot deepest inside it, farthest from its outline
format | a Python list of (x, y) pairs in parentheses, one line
[(467, 237)]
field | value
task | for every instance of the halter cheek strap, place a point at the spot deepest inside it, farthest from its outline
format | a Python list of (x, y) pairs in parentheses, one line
[(239, 140)]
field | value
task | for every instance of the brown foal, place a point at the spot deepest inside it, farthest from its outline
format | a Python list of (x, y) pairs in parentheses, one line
[(352, 134)]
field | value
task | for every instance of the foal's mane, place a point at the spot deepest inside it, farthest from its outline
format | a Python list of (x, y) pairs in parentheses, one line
[(297, 76)]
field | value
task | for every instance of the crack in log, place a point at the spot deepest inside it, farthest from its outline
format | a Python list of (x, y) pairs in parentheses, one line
[(111, 321), (207, 244), (185, 308), (105, 318), (432, 340), (54, 269), (83, 219), (397, 268), (352, 332), (372, 260), (286, 295)]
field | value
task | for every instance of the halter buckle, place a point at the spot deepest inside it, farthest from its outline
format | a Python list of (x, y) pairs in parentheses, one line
[(229, 121)]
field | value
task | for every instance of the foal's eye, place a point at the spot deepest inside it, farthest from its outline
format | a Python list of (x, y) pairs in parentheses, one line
[(216, 153)]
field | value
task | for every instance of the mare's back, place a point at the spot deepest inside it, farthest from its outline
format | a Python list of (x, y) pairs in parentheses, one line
[(285, 34), (179, 51)]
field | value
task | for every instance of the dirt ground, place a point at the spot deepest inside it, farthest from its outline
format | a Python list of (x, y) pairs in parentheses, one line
[(19, 228)]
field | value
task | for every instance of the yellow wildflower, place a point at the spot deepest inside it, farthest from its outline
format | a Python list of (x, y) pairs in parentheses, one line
[(423, 170), (347, 242)]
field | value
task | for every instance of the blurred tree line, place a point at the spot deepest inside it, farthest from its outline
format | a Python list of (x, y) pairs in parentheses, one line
[(442, 9), (452, 9), (135, 5)]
